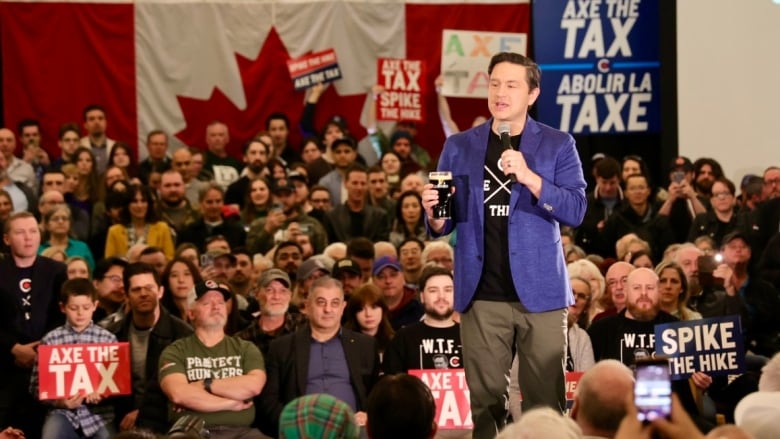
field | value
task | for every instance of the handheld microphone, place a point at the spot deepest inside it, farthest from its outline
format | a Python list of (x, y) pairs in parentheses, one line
[(503, 131)]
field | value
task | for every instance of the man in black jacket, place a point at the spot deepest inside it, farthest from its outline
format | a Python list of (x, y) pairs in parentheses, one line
[(29, 293), (294, 365), (149, 328)]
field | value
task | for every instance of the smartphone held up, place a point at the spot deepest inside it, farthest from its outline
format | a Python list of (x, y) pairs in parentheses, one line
[(652, 389)]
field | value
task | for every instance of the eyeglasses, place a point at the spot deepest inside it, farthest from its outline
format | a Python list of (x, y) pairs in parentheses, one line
[(59, 219), (772, 182), (114, 278), (721, 195), (581, 296)]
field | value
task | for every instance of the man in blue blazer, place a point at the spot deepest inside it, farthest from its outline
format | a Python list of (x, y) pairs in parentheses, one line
[(511, 284)]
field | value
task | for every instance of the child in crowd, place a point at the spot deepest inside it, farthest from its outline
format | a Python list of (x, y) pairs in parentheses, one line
[(72, 417)]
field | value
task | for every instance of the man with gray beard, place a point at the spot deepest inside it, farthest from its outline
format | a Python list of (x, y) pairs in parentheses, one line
[(210, 374), (275, 317)]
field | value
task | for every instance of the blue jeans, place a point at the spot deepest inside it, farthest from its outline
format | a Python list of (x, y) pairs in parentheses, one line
[(57, 426)]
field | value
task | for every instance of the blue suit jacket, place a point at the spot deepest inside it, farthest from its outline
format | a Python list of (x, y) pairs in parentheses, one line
[(536, 256)]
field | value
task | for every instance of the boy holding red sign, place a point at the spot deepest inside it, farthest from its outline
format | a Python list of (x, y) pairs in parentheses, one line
[(71, 417)]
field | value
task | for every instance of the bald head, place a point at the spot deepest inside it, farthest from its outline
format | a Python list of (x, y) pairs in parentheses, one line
[(642, 295), (728, 431), (616, 282), (600, 398)]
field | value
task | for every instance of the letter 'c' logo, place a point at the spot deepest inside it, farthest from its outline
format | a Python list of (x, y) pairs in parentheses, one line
[(25, 285)]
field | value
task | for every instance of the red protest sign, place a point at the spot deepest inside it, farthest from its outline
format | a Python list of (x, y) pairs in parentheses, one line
[(402, 98), (449, 389), (572, 381), (314, 68), (67, 370)]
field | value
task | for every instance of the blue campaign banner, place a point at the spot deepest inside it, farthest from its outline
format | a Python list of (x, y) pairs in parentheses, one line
[(714, 346), (600, 65)]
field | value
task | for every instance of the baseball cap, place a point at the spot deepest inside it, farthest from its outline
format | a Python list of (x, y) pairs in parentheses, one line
[(297, 175), (681, 164), (343, 141), (217, 253), (309, 266), (734, 235), (283, 185), (273, 274), (384, 262), (345, 266), (204, 287)]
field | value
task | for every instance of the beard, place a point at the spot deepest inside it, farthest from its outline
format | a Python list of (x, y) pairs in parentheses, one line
[(643, 314), (439, 315), (256, 167)]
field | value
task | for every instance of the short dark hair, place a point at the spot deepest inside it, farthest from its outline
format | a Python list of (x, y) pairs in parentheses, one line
[(249, 143), (93, 107), (400, 405), (155, 133), (608, 167), (27, 122), (103, 265), (66, 128), (726, 182), (431, 271), (151, 250), (287, 244), (533, 74), (77, 287), (413, 239), (277, 115), (137, 268), (360, 247), (354, 167)]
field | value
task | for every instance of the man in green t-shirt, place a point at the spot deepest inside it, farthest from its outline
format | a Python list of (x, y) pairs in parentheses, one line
[(212, 375)]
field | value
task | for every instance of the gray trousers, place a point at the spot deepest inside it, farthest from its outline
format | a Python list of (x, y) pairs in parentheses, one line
[(490, 332)]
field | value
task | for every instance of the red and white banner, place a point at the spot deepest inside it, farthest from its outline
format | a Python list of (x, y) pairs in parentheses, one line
[(403, 96), (449, 389), (80, 369), (176, 66)]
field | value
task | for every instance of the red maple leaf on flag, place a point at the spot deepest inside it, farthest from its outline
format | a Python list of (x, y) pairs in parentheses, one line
[(267, 88)]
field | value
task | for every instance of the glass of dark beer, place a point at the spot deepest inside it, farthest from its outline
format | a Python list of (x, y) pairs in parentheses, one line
[(442, 182)]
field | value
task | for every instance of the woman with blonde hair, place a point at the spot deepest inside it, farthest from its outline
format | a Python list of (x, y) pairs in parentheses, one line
[(588, 271), (673, 289)]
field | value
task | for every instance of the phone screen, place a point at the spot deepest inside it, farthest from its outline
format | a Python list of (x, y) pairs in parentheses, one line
[(652, 390)]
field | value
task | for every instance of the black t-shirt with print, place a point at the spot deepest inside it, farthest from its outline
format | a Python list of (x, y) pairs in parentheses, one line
[(496, 282)]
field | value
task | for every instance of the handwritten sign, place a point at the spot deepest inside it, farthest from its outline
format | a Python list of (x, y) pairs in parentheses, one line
[(320, 67), (714, 346), (73, 369), (449, 389), (465, 57), (402, 99)]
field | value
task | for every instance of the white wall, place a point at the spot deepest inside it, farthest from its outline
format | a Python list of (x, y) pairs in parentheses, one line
[(728, 82)]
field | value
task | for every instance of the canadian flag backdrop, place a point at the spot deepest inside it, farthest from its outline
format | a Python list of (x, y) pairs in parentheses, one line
[(177, 66)]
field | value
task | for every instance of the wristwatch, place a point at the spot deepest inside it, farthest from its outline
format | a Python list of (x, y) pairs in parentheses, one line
[(207, 384)]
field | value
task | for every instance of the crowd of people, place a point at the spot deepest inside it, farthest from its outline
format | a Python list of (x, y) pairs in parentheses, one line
[(268, 294)]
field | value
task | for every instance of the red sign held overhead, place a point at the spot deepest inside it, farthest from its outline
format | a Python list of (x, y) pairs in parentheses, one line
[(80, 369), (403, 95)]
